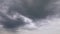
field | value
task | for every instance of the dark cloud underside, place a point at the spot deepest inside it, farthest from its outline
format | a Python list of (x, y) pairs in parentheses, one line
[(35, 11)]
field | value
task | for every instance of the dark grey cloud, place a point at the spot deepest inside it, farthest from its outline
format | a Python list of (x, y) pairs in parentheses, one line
[(10, 23), (37, 10)]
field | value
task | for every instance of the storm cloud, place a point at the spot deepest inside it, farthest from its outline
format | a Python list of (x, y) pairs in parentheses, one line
[(21, 15), (34, 10)]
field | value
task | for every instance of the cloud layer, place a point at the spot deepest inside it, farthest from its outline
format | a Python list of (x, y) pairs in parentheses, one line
[(30, 17)]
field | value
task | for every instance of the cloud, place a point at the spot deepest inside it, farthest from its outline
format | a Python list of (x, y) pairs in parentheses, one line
[(19, 18)]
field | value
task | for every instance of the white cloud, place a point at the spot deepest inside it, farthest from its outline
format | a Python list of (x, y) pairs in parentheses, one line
[(53, 27)]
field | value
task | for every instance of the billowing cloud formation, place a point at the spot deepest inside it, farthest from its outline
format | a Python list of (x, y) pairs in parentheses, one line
[(21, 16), (36, 10), (20, 7)]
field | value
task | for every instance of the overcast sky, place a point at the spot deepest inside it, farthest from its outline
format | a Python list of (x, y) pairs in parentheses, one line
[(29, 17)]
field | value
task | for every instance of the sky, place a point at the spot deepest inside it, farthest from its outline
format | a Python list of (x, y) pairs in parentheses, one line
[(29, 16)]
